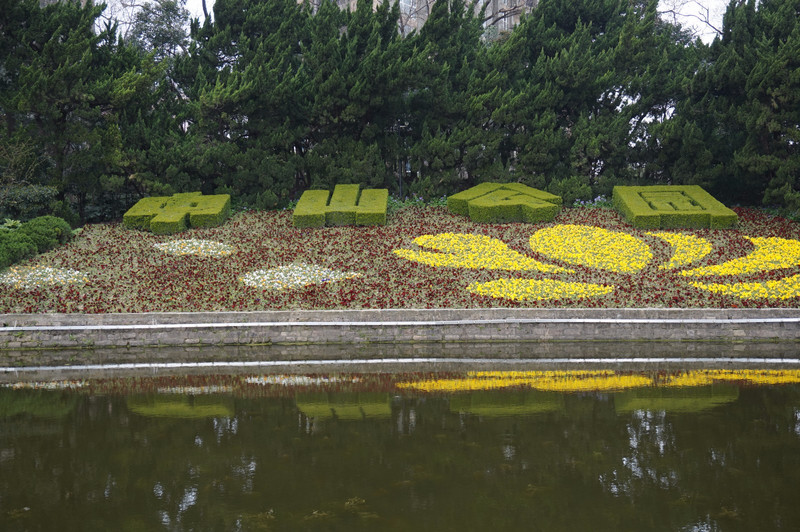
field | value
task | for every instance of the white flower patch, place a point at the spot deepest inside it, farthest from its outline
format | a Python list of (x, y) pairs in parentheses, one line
[(202, 248), (36, 276), (294, 276), (298, 380)]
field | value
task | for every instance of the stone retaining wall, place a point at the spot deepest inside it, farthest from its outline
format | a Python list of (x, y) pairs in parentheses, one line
[(58, 331)]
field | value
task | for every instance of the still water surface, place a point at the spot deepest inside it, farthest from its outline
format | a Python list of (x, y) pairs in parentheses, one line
[(698, 451)]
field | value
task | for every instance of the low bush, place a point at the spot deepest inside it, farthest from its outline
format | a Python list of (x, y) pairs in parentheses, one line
[(46, 232), (36, 236), (14, 247)]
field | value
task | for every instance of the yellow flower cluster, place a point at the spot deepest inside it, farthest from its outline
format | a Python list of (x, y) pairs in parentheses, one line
[(596, 381), (459, 250), (785, 288), (685, 249), (27, 277), (202, 248), (531, 289), (593, 247), (770, 253)]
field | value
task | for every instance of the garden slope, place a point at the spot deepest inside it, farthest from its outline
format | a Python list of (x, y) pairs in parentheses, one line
[(123, 272)]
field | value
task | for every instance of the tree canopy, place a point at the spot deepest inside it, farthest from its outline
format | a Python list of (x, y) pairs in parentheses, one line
[(268, 99)]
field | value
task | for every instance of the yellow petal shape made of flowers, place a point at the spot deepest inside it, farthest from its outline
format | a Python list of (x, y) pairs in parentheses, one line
[(527, 289), (785, 288), (685, 249), (770, 253), (459, 250), (593, 247)]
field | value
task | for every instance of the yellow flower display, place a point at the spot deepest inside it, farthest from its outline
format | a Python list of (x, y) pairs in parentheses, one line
[(459, 250), (686, 249), (528, 289), (596, 381), (771, 253), (785, 288), (593, 247), (606, 250)]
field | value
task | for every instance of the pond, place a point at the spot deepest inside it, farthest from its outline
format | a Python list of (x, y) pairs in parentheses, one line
[(700, 450)]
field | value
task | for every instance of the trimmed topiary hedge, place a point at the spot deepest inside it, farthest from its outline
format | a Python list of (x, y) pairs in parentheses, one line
[(505, 202), (672, 207), (166, 215), (347, 206)]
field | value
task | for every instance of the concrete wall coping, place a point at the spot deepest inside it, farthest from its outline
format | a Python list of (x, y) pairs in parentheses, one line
[(22, 335), (400, 317)]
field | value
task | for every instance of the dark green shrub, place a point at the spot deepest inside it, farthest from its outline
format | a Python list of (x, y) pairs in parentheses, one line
[(62, 209), (571, 189), (24, 202), (15, 246), (46, 232)]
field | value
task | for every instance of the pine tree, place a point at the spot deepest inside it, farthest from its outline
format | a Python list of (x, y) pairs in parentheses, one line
[(737, 127), (71, 84), (244, 80)]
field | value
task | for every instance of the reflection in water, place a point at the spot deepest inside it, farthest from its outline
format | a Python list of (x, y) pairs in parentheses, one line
[(588, 450)]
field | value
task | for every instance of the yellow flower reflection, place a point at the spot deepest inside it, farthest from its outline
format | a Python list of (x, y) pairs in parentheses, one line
[(554, 381), (597, 381)]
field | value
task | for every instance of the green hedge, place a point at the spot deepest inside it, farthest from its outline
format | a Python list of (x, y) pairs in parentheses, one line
[(310, 210), (505, 202), (372, 207), (342, 207), (672, 207), (347, 206), (166, 215), (36, 236), (14, 247), (47, 232)]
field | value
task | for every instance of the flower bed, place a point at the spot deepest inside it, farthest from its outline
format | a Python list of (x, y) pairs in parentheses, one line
[(425, 257)]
